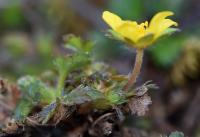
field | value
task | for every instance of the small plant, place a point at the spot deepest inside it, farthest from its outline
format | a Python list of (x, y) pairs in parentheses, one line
[(80, 80), (139, 36), (90, 89)]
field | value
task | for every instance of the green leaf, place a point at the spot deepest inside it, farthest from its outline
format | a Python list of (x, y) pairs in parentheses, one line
[(114, 35), (54, 113), (116, 96), (35, 91), (176, 134), (48, 111), (77, 44), (71, 63), (67, 64), (112, 97), (23, 108), (82, 94), (170, 31)]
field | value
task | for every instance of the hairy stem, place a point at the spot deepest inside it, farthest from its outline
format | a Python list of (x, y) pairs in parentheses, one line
[(136, 69), (61, 83)]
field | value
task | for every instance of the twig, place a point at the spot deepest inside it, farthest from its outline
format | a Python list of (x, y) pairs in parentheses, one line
[(102, 117)]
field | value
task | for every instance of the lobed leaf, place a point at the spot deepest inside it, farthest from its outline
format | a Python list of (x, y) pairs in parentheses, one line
[(71, 63), (116, 96), (35, 91), (23, 108), (77, 44), (82, 94)]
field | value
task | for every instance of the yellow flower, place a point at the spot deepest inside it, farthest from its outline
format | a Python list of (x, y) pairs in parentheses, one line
[(140, 35)]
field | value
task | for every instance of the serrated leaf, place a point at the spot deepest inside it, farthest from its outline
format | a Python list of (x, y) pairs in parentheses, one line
[(77, 44), (82, 94), (23, 108), (65, 65), (47, 112), (52, 113), (115, 96), (35, 91), (71, 62)]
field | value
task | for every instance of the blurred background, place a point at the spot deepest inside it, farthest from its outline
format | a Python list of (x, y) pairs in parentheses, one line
[(32, 31)]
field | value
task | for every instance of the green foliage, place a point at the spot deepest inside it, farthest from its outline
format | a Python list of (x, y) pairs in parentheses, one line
[(78, 45), (78, 60), (48, 111), (100, 99), (79, 82), (35, 91), (68, 64), (115, 96), (23, 108), (82, 94)]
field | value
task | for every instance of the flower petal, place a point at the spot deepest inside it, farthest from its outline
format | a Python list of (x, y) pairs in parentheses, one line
[(159, 24), (131, 31), (164, 24), (159, 17), (111, 19), (140, 35)]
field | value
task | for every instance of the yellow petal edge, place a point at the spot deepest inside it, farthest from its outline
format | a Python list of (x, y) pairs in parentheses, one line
[(134, 32)]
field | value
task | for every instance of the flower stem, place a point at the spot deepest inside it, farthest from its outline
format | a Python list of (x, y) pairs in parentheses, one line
[(136, 69)]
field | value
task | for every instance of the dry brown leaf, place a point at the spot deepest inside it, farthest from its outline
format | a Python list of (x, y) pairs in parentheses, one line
[(139, 105), (12, 128), (9, 95)]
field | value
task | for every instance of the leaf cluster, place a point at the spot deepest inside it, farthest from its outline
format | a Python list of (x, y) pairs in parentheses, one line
[(80, 81)]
